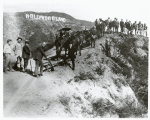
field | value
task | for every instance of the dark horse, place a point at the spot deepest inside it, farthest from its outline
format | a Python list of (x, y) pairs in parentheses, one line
[(90, 35), (76, 39), (72, 45)]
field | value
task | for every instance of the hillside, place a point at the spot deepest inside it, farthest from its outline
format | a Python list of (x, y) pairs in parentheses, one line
[(17, 24), (100, 86)]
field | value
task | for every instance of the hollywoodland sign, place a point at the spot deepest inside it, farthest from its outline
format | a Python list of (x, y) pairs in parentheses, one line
[(52, 18)]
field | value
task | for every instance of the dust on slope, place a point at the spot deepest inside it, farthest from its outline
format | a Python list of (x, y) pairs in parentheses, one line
[(62, 94)]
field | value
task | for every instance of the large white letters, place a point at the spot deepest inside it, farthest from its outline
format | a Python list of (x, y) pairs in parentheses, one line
[(53, 18)]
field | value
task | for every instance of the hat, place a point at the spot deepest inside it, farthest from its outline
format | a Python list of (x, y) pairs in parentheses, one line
[(19, 38), (9, 40), (43, 44), (27, 41)]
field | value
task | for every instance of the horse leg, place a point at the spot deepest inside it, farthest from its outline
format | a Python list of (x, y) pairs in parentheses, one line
[(73, 63), (79, 47), (57, 53), (76, 51), (65, 51)]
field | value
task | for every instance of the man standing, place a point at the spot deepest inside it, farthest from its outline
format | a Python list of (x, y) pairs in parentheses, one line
[(107, 47), (96, 22), (117, 25), (140, 27), (18, 53), (130, 27), (107, 24), (135, 26), (145, 29), (26, 54), (7, 55), (114, 25), (72, 55), (127, 26), (110, 25), (39, 53), (122, 25)]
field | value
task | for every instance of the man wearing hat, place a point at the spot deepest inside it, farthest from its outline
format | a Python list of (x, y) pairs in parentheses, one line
[(114, 25), (18, 53), (127, 26), (145, 29), (110, 25), (26, 54), (107, 24), (39, 53), (140, 27), (71, 54), (107, 46), (117, 25), (135, 26), (7, 54), (122, 25)]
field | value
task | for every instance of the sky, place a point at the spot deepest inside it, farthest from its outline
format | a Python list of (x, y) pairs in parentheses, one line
[(134, 10)]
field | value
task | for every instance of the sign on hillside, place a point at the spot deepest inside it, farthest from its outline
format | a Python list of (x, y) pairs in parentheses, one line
[(52, 18)]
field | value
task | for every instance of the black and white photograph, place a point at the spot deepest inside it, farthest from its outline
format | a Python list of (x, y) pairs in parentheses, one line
[(75, 58)]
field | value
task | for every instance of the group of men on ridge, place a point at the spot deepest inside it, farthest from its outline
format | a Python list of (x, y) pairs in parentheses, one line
[(125, 27)]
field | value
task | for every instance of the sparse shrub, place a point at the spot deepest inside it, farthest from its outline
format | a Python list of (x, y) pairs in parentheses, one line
[(88, 56), (100, 70), (139, 65), (64, 99), (103, 106), (130, 109), (84, 76)]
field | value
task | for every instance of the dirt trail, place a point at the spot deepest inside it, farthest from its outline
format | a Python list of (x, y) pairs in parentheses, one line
[(25, 95)]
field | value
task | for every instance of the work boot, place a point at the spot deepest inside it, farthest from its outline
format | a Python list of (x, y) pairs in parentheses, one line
[(21, 69), (37, 76), (6, 72), (12, 70), (18, 69)]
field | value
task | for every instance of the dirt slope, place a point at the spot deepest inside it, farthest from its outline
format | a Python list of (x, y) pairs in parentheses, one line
[(58, 94)]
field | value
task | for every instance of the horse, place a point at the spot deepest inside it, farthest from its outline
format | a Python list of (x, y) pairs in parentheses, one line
[(76, 37)]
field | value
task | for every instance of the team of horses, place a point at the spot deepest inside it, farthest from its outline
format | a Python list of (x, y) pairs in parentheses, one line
[(76, 40)]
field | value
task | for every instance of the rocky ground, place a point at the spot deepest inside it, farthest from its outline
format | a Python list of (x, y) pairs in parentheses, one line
[(86, 92)]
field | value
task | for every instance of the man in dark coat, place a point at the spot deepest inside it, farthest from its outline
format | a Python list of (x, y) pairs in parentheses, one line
[(122, 25), (140, 28), (127, 26), (114, 24), (26, 54), (135, 26), (107, 47), (39, 53), (145, 29), (71, 55), (117, 25), (110, 25)]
